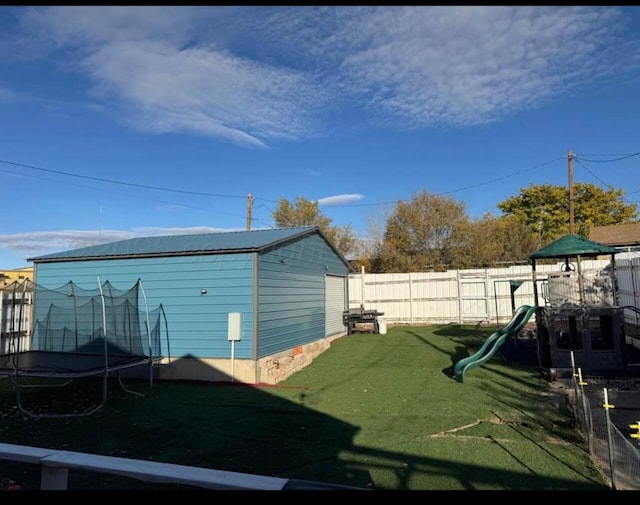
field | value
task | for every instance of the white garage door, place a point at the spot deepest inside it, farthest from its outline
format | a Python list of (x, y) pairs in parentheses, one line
[(334, 304)]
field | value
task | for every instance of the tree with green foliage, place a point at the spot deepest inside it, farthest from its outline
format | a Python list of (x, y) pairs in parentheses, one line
[(431, 232), (490, 240), (422, 233), (303, 212), (544, 208)]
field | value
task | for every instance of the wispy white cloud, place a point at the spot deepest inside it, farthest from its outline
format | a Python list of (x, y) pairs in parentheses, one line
[(314, 173), (501, 59), (34, 242), (339, 199), (44, 242), (253, 75), (204, 91), (89, 27), (147, 63), (422, 66), (10, 95)]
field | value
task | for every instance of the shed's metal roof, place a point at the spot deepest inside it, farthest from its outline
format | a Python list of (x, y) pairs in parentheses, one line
[(573, 245), (169, 245)]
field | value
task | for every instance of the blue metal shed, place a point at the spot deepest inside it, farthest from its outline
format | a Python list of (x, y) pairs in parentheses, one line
[(288, 285)]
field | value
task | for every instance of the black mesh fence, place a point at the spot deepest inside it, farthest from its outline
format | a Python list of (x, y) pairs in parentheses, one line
[(70, 319), (607, 412)]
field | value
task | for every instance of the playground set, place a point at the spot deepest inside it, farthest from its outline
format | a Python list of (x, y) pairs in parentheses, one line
[(579, 321)]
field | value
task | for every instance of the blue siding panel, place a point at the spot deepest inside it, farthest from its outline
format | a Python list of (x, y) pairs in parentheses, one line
[(291, 291), (197, 324)]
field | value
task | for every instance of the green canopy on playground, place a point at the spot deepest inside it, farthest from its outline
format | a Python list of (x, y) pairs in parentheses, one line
[(573, 245)]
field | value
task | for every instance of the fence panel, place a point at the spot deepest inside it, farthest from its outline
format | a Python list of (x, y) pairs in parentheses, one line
[(628, 277), (454, 296)]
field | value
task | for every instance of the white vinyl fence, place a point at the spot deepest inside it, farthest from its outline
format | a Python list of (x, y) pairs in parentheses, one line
[(15, 318), (55, 465), (470, 296), (628, 276)]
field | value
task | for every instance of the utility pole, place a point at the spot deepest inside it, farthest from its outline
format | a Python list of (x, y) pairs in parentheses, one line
[(249, 208), (571, 224)]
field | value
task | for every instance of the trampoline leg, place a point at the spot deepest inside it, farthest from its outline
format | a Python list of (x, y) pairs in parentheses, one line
[(104, 391), (18, 385), (136, 393), (150, 374)]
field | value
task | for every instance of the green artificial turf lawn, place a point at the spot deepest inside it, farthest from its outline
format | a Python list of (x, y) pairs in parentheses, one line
[(374, 411)]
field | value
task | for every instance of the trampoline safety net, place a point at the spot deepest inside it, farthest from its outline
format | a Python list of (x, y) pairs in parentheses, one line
[(71, 319)]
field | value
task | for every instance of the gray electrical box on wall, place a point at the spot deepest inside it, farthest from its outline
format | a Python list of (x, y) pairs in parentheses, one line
[(233, 326)]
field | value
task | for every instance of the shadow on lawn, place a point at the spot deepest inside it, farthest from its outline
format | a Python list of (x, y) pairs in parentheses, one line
[(240, 428), (408, 469), (469, 339), (222, 425)]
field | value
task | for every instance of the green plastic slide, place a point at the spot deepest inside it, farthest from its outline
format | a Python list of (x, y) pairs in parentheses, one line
[(493, 343)]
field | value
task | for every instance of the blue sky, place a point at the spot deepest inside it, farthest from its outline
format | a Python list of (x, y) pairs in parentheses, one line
[(355, 107)]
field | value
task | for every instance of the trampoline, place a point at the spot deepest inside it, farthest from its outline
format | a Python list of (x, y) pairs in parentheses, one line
[(51, 364), (79, 333)]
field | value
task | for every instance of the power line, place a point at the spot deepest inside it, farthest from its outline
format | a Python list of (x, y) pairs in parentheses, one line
[(256, 207), (604, 154), (614, 159), (111, 181), (255, 220), (490, 181), (623, 157), (200, 193), (504, 177), (189, 206), (610, 186), (594, 175)]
